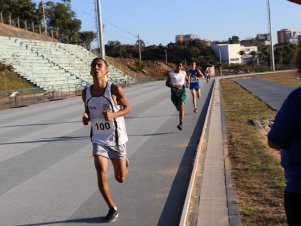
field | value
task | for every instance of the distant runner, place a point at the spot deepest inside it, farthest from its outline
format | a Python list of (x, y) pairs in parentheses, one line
[(194, 75), (177, 80), (208, 74)]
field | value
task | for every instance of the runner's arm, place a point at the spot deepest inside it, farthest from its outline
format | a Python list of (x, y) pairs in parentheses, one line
[(119, 98), (85, 118), (200, 73), (274, 146), (168, 83), (187, 80)]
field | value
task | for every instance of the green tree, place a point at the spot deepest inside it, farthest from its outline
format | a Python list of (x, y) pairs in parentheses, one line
[(67, 2), (285, 54), (22, 9), (86, 38), (254, 56), (5, 7), (242, 54), (62, 18), (197, 50), (142, 43), (113, 49), (233, 40)]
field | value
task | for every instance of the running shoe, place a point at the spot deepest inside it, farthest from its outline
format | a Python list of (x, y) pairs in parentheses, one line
[(180, 127), (112, 215)]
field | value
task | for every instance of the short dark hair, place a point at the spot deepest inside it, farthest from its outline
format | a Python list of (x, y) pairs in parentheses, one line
[(97, 59)]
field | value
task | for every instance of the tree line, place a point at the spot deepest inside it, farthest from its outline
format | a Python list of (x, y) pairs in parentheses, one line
[(58, 16), (199, 50), (196, 50)]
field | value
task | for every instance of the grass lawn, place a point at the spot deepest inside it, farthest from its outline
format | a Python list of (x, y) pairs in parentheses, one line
[(257, 174)]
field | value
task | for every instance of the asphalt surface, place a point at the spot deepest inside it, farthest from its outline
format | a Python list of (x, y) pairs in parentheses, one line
[(47, 173), (270, 92)]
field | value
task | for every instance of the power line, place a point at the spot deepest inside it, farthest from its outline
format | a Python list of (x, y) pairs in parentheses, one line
[(124, 30), (117, 27), (125, 38)]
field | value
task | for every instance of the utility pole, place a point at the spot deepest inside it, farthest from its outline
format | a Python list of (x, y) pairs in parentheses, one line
[(165, 55), (100, 31), (271, 39), (220, 62), (139, 46), (44, 18)]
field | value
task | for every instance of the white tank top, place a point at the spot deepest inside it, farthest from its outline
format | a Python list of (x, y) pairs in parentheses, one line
[(107, 133), (177, 78)]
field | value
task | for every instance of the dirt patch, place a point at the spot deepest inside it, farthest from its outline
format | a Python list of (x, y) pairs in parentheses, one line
[(155, 69), (10, 31), (264, 126)]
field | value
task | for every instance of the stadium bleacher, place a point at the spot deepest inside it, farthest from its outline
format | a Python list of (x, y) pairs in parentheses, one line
[(53, 66)]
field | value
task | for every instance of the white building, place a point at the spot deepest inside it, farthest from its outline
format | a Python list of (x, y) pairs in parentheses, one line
[(231, 53)]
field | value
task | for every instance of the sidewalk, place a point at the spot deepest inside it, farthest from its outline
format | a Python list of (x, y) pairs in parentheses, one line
[(217, 200), (213, 198), (217, 205)]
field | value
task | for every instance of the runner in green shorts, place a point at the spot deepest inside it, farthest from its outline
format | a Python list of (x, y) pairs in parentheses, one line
[(177, 80), (178, 96)]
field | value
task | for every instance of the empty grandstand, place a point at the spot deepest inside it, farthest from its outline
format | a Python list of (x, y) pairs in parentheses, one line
[(52, 65)]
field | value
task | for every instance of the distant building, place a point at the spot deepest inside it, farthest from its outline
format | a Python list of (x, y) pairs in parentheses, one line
[(230, 53), (295, 39), (284, 35), (185, 38), (288, 36), (264, 37)]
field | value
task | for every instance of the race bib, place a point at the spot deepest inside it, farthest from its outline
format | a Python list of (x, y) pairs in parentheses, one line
[(101, 126), (193, 79)]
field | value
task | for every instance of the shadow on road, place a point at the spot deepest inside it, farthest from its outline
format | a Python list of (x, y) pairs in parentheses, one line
[(40, 124), (51, 139), (90, 220), (180, 184)]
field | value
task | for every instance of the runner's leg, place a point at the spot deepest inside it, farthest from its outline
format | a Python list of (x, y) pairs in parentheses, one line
[(198, 93), (193, 93), (181, 115), (120, 169), (101, 165)]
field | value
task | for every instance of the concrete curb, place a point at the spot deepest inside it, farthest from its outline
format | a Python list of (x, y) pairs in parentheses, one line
[(196, 163), (233, 206)]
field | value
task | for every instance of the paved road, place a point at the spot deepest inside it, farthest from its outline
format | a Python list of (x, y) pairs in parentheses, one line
[(270, 92), (46, 168)]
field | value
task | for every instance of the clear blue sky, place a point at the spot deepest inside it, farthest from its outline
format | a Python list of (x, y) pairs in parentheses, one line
[(159, 21)]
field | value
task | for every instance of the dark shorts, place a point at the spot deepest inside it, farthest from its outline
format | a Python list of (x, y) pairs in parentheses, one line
[(178, 97), (194, 85)]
